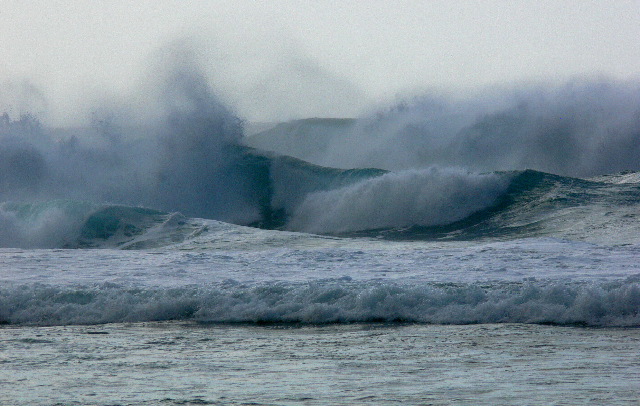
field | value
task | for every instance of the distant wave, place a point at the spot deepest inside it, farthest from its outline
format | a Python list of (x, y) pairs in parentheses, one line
[(429, 204), (71, 224), (403, 199), (149, 171), (337, 301)]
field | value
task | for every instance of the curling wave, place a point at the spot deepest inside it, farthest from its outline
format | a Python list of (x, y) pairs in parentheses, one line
[(432, 204), (183, 153), (396, 200)]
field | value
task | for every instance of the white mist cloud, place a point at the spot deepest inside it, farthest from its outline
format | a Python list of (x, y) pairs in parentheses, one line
[(275, 60), (580, 128)]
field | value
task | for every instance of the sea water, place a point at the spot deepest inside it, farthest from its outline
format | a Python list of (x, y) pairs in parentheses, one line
[(157, 259), (322, 321), (179, 363)]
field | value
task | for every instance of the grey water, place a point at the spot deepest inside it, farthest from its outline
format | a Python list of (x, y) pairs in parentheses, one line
[(480, 252), (178, 363)]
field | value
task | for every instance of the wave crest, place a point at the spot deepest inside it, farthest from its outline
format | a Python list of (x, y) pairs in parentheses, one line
[(426, 197), (331, 301)]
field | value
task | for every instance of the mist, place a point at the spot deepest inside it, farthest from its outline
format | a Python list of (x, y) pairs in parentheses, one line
[(581, 128), (175, 142), (168, 146)]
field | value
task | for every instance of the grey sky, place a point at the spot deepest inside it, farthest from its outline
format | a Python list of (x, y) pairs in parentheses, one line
[(276, 60)]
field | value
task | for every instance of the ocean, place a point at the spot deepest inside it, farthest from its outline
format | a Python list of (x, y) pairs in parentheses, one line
[(463, 255)]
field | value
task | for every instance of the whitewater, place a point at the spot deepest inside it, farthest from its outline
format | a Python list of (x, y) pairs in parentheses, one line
[(480, 251)]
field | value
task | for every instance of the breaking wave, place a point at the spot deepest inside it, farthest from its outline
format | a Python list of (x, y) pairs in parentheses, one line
[(155, 167), (396, 200), (329, 301), (430, 204)]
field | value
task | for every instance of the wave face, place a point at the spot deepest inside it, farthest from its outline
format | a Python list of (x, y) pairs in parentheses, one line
[(604, 304), (537, 204), (432, 204), (397, 200), (182, 152)]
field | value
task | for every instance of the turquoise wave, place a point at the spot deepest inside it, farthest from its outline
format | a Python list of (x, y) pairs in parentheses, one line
[(538, 204), (533, 204)]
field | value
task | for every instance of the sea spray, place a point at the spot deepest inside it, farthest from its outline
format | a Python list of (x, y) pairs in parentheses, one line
[(580, 128), (50, 224), (172, 151), (329, 301), (427, 197)]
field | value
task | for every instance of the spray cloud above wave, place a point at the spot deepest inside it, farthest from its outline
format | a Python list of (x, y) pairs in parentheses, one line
[(175, 146), (170, 142), (170, 146), (582, 128)]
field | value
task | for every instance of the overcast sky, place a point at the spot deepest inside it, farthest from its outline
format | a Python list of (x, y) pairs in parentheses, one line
[(277, 60)]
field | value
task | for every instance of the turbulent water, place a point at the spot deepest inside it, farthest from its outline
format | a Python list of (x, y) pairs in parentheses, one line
[(513, 211), (547, 250)]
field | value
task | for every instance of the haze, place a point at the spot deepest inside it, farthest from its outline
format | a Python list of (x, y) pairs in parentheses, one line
[(281, 60)]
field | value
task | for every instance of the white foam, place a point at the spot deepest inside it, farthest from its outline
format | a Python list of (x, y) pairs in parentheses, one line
[(426, 197), (49, 226), (329, 301)]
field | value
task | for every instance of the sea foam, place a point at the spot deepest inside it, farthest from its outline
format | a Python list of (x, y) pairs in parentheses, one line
[(426, 197), (329, 301)]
